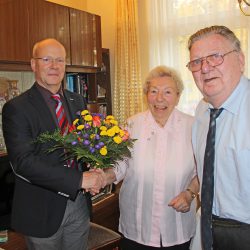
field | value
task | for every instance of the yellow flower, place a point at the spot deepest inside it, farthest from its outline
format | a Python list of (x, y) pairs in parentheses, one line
[(84, 112), (111, 132), (121, 133), (92, 136), (110, 117), (114, 122), (116, 129), (88, 118), (75, 121), (103, 128), (103, 133), (117, 139), (80, 127), (103, 150)]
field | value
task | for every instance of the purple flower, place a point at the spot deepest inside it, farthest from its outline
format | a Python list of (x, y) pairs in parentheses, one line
[(97, 146), (97, 137), (74, 143), (92, 150), (101, 144), (87, 126), (86, 136), (86, 142)]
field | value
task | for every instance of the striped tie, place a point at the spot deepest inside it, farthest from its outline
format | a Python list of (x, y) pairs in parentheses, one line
[(60, 114), (62, 122)]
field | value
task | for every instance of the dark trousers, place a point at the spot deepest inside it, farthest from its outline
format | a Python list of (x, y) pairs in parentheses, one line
[(127, 244), (230, 234)]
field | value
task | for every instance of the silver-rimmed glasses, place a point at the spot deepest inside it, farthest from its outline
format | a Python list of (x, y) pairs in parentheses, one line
[(48, 60), (213, 60)]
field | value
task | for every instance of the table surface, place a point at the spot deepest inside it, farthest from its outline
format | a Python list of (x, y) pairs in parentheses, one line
[(15, 242)]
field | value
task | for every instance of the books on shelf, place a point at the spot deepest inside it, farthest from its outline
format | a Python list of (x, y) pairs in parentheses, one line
[(78, 83), (94, 95)]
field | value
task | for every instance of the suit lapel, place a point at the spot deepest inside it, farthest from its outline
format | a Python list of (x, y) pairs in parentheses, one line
[(38, 102), (75, 103)]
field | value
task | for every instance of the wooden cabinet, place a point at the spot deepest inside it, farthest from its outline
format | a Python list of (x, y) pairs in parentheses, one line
[(24, 22), (14, 38), (95, 86), (106, 212), (85, 36), (48, 20), (103, 83)]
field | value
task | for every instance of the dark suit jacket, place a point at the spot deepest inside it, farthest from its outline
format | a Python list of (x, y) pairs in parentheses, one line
[(43, 182)]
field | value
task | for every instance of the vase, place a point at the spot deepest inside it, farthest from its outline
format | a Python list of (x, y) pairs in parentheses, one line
[(13, 90)]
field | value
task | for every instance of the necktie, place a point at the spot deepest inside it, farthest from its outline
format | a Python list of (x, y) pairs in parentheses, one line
[(62, 121), (207, 190), (60, 114)]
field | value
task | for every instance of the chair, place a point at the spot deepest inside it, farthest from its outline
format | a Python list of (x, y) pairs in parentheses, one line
[(102, 238)]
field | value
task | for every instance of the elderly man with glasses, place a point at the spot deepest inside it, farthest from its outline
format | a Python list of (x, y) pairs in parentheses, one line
[(221, 138), (49, 207)]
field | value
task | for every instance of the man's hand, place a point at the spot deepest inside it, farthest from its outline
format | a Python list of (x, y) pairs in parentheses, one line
[(93, 180)]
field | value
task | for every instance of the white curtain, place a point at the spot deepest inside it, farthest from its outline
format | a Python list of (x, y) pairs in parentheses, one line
[(171, 22)]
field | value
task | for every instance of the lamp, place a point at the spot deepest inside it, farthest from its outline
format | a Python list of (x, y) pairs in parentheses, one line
[(244, 4)]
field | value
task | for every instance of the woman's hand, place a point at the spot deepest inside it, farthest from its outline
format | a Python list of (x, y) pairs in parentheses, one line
[(182, 202)]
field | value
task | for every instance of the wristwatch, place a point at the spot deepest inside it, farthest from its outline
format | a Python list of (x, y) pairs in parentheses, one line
[(193, 195)]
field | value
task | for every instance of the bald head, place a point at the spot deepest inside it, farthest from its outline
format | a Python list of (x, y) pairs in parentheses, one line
[(46, 43)]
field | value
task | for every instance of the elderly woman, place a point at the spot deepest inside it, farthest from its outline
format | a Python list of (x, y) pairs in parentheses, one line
[(159, 180)]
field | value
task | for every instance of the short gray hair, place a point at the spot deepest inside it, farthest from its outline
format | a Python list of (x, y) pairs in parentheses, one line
[(161, 71), (216, 29)]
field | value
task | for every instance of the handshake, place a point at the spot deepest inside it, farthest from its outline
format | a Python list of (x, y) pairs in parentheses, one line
[(95, 179)]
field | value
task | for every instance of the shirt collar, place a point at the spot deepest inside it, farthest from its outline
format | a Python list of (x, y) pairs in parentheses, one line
[(46, 93), (232, 104)]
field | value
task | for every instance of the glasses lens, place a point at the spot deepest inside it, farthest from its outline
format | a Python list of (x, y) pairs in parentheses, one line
[(60, 60), (194, 65), (47, 60), (215, 59)]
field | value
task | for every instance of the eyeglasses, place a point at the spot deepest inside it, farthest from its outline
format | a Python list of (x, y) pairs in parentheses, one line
[(48, 60), (213, 60)]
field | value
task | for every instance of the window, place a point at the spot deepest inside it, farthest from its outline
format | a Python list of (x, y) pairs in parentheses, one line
[(170, 24)]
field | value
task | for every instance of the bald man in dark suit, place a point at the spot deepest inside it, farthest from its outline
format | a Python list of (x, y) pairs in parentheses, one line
[(50, 206)]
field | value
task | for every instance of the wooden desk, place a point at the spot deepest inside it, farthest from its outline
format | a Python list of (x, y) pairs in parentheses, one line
[(15, 242), (106, 212)]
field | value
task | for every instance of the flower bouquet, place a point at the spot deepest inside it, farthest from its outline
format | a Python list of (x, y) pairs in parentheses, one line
[(94, 139)]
